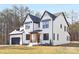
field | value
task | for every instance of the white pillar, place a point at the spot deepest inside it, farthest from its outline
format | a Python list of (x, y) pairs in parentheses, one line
[(10, 41), (21, 40)]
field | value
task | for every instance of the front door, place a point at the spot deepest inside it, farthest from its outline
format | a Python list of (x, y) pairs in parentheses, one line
[(35, 37)]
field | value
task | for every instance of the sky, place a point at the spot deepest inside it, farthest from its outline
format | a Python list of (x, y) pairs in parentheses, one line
[(53, 8), (49, 7)]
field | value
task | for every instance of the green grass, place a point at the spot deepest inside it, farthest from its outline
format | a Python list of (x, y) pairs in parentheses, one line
[(65, 49)]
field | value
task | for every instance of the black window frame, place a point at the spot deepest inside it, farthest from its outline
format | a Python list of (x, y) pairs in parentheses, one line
[(27, 36), (28, 22), (64, 28), (46, 36), (45, 24), (60, 25), (57, 36), (53, 36), (67, 29), (27, 26)]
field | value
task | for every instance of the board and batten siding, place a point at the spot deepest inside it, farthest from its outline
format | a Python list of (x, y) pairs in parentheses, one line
[(57, 30), (46, 30), (27, 31), (28, 19)]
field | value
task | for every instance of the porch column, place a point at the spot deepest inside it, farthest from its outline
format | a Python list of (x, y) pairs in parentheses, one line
[(10, 41), (30, 38), (20, 41), (21, 38)]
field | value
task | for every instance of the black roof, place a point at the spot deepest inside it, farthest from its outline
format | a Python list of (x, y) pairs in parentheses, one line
[(35, 19), (35, 31), (55, 15), (50, 14)]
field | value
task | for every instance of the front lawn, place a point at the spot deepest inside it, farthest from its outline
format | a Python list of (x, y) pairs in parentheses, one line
[(39, 49)]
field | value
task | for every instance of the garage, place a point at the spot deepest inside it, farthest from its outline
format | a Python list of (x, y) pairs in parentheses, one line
[(15, 40)]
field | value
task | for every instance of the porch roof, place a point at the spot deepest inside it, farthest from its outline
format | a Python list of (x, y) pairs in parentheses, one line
[(16, 32), (35, 31)]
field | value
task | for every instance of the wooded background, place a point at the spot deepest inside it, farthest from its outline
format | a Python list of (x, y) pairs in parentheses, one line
[(11, 19)]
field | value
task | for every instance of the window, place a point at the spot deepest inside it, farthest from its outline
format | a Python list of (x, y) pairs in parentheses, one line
[(64, 28), (45, 20), (28, 22), (60, 25), (57, 36), (45, 24), (27, 36), (46, 36), (54, 36), (27, 26)]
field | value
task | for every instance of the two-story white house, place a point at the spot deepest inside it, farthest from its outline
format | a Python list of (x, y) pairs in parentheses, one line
[(49, 29)]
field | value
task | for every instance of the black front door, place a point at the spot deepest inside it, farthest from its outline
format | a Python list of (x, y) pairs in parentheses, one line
[(16, 40)]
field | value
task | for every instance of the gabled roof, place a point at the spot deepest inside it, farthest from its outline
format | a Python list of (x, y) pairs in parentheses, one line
[(56, 15), (34, 18), (16, 32), (50, 14), (53, 16), (65, 19)]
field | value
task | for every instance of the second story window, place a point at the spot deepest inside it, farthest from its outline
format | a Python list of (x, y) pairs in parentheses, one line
[(60, 25), (67, 29), (46, 24), (64, 28), (27, 26)]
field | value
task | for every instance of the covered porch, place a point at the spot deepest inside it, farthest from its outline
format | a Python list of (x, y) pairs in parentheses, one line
[(35, 37)]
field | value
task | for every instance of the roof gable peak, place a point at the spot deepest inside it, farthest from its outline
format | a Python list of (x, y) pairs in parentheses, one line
[(50, 14)]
